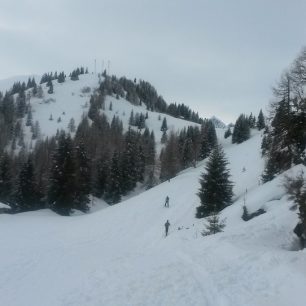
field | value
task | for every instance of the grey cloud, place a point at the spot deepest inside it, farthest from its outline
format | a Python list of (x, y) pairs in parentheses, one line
[(219, 57)]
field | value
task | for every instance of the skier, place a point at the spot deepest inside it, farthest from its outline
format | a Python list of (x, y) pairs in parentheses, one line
[(167, 224), (167, 202)]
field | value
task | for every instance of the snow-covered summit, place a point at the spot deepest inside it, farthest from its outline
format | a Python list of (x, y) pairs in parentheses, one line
[(71, 99)]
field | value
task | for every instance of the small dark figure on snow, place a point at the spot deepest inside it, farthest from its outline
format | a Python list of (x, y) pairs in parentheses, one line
[(167, 202), (167, 224), (300, 231)]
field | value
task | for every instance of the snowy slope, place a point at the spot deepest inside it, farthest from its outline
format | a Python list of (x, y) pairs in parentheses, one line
[(119, 255), (69, 101), (66, 102), (4, 206)]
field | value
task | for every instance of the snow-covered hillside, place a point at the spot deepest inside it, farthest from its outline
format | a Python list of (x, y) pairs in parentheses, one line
[(71, 100), (119, 255)]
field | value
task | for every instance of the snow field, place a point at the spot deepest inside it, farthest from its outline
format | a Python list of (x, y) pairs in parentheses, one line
[(119, 255), (68, 101)]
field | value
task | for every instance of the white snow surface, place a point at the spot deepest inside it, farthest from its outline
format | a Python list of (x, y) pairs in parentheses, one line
[(120, 256), (2, 205), (69, 101)]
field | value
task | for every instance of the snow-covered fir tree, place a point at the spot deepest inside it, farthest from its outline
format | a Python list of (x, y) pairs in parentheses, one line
[(215, 225), (216, 189)]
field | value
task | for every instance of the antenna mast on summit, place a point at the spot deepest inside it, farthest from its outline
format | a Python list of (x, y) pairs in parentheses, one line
[(95, 66)]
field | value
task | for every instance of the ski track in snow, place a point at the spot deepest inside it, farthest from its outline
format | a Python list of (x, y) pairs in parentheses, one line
[(119, 255)]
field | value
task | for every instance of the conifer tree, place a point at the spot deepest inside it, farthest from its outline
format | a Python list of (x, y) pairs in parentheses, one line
[(296, 189), (93, 108), (141, 122), (284, 143), (34, 89), (21, 105), (50, 90), (27, 197), (170, 165), (215, 225), (164, 126), (35, 130), (29, 83), (132, 120), (75, 75), (61, 77), (252, 121), (130, 161), (150, 158), (102, 176), (280, 151), (266, 142), (40, 92), (140, 164), (216, 189), (241, 130), (113, 190), (6, 179), (71, 125), (29, 117), (164, 137), (62, 190), (208, 138), (260, 121), (228, 133), (187, 154), (83, 178)]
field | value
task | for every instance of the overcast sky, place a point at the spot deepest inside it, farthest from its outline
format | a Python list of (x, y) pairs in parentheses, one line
[(220, 57)]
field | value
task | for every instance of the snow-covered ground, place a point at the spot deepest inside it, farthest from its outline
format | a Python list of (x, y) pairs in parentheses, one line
[(70, 100), (120, 256), (4, 206)]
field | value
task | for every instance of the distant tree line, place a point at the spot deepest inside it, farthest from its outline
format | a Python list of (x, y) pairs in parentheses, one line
[(243, 125), (20, 87), (143, 92), (186, 148), (74, 75)]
